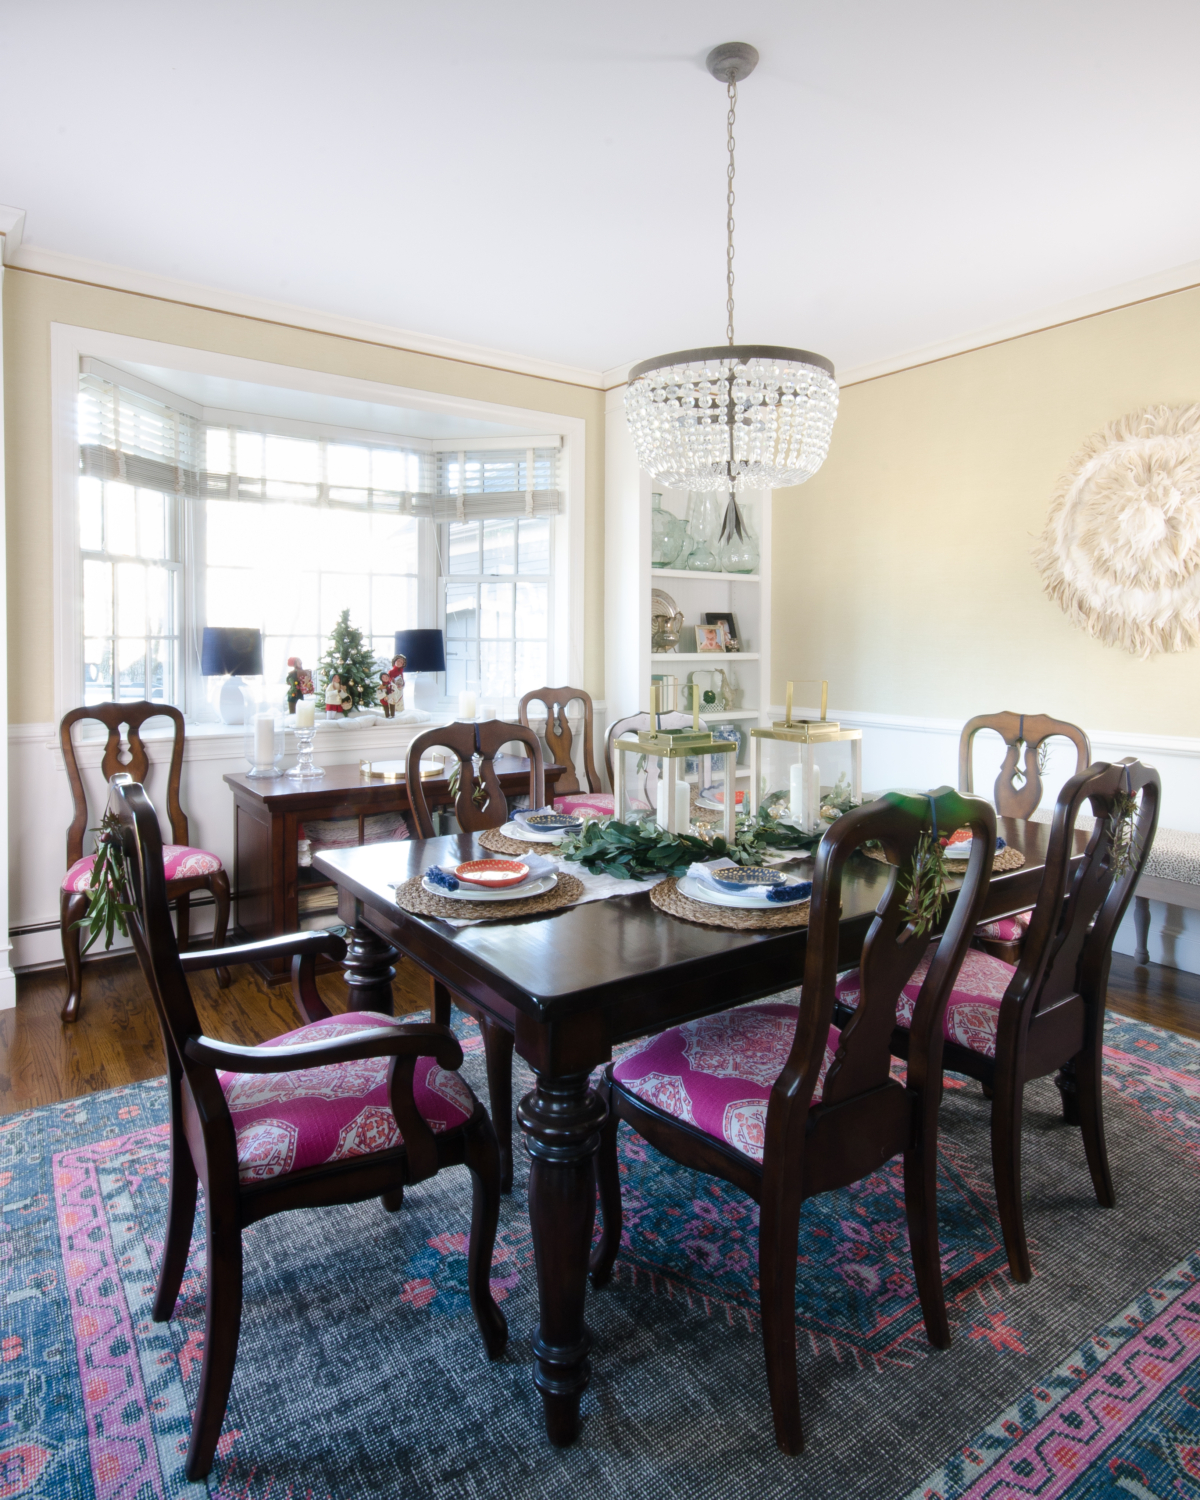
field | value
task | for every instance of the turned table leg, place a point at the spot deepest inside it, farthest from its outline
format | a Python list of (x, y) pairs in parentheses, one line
[(369, 971), (561, 1119)]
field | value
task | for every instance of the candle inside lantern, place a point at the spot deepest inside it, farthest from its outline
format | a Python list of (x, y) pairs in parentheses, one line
[(466, 705), (683, 805), (306, 710), (796, 788), (814, 794), (264, 739)]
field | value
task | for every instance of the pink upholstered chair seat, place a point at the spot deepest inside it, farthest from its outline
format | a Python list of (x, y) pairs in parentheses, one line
[(287, 1121), (716, 1073), (1007, 929), (590, 804), (180, 862), (973, 1012)]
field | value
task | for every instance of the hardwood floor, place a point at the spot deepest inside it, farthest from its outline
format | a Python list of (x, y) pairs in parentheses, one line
[(117, 1040)]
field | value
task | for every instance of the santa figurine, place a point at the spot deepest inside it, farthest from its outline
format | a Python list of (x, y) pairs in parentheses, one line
[(333, 696), (395, 677), (387, 696), (299, 683)]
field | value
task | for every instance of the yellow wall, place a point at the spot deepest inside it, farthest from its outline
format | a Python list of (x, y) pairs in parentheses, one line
[(902, 572), (32, 302)]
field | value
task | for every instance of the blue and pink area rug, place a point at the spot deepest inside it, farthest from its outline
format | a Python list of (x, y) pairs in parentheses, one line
[(360, 1372)]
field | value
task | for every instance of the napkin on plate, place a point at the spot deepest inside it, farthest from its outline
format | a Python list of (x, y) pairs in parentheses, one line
[(961, 848), (538, 866), (788, 892)]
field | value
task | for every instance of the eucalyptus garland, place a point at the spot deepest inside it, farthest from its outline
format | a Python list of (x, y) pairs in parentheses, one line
[(109, 905), (636, 851), (924, 887)]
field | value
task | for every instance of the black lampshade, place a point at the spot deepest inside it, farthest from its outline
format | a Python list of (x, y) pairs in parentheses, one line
[(228, 648), (423, 650)]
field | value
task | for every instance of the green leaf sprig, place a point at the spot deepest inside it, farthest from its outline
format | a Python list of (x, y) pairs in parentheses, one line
[(924, 886), (637, 851), (1125, 806), (109, 906)]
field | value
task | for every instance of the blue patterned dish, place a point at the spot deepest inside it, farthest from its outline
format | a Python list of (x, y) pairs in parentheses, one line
[(547, 822), (742, 879)]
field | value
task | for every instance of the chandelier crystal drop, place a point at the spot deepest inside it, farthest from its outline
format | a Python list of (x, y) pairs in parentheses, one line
[(735, 416)]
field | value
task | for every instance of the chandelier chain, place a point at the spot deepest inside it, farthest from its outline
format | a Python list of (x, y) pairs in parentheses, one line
[(729, 198)]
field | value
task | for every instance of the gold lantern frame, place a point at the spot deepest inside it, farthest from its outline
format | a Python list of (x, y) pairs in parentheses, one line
[(807, 734), (672, 747)]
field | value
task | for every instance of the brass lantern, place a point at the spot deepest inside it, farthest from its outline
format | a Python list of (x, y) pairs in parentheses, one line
[(786, 774)]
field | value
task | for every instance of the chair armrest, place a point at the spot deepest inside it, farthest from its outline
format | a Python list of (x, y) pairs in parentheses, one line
[(291, 943), (402, 1039)]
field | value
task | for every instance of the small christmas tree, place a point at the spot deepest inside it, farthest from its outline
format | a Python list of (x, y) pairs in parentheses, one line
[(356, 667)]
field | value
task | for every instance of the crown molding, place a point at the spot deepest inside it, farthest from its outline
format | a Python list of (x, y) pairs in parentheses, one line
[(42, 262), (1110, 299), (12, 227)]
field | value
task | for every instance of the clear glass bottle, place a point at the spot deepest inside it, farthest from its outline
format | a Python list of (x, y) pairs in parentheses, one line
[(704, 528), (667, 533), (738, 554)]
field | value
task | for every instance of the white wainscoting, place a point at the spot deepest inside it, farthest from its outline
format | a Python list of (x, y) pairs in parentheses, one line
[(902, 751)]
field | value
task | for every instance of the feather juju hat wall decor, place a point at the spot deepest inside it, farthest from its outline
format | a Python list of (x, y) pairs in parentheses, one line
[(1121, 548)]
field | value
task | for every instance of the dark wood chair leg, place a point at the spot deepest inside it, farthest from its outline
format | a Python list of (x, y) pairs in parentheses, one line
[(779, 1225), (1090, 1107), (183, 920), (72, 906), (920, 1208), (483, 1159), (1006, 1169), (181, 1213), (1141, 930), (608, 1182), (498, 1052), (218, 884), (1068, 1088), (440, 1012), (222, 1327)]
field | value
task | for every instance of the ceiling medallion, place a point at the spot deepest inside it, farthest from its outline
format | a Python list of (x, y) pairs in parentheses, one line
[(735, 416)]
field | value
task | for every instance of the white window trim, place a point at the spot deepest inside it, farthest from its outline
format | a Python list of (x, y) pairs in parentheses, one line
[(70, 343)]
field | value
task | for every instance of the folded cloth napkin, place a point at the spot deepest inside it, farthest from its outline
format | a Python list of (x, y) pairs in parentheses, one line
[(704, 874), (960, 848)]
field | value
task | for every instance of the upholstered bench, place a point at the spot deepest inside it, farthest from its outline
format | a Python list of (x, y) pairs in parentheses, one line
[(1172, 876)]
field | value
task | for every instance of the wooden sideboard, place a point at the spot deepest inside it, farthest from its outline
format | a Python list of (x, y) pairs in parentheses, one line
[(268, 813)]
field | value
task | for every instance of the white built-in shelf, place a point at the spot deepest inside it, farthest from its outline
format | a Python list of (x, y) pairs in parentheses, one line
[(727, 713), (715, 657), (712, 577)]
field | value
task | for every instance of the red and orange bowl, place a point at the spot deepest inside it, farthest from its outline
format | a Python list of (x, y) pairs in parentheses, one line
[(492, 874)]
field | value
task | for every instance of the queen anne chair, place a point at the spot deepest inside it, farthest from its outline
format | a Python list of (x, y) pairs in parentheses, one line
[(344, 1108), (776, 1099), (186, 868), (482, 742), (1017, 794), (1007, 1024), (570, 796)]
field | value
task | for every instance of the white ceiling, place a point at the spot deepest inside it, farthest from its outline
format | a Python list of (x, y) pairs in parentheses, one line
[(547, 178)]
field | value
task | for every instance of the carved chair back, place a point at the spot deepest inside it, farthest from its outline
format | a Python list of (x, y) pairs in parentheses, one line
[(1069, 942), (468, 741), (1018, 790), (113, 716), (890, 955), (558, 733)]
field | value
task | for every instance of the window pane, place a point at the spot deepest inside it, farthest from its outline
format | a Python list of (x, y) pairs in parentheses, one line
[(462, 612), (131, 599), (97, 671), (530, 666), (496, 611), (158, 601), (159, 677), (535, 546), (250, 455), (230, 598), (390, 470), (289, 604), (152, 523), (344, 540), (496, 669), (97, 598), (216, 450), (499, 546), (463, 547), (297, 459), (348, 465), (91, 515), (393, 605), (120, 520), (341, 591), (394, 542), (236, 531), (531, 612), (131, 669)]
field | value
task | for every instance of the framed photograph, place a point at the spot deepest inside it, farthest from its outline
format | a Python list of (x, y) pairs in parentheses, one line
[(727, 625), (709, 638)]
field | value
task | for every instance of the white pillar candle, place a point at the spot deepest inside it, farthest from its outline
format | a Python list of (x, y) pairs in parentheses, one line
[(466, 706), (660, 814), (815, 797), (264, 739), (683, 806), (305, 713), (796, 787)]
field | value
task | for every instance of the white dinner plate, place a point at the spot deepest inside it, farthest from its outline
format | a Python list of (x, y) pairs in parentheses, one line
[(536, 887), (515, 830), (698, 891)]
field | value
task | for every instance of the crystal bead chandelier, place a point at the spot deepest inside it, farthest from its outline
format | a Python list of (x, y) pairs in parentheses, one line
[(736, 416)]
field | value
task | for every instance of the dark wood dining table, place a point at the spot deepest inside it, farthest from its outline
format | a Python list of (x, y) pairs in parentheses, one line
[(571, 985)]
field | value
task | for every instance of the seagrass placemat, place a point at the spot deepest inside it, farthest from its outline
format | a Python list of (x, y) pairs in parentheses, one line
[(669, 898), (500, 843), (1007, 858), (412, 896)]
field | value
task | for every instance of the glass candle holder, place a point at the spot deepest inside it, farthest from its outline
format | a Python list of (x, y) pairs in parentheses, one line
[(306, 733), (264, 739)]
